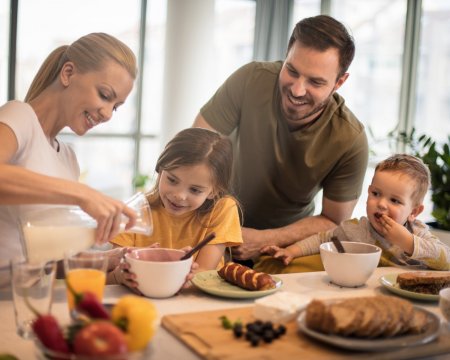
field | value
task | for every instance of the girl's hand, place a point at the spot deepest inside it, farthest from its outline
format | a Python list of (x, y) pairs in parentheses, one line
[(191, 274), (269, 250), (278, 253), (194, 267), (125, 277), (115, 256), (397, 234)]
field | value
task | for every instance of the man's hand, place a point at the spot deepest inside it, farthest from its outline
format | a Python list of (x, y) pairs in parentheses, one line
[(284, 236), (254, 240)]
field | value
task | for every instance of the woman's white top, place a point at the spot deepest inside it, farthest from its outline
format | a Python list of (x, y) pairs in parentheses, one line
[(34, 153)]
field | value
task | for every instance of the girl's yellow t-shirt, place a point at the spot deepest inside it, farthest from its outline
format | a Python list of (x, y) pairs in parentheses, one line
[(176, 232)]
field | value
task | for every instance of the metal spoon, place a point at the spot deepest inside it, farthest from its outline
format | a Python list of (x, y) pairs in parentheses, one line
[(197, 247), (338, 244)]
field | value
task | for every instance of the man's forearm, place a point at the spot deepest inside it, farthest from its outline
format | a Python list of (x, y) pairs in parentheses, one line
[(299, 230)]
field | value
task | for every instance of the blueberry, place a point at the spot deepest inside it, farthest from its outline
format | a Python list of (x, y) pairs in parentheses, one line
[(258, 328), (258, 322), (237, 326), (254, 340), (268, 336), (237, 331), (281, 329)]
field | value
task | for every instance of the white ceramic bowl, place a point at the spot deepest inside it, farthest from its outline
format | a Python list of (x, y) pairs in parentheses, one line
[(160, 272), (444, 302), (352, 268)]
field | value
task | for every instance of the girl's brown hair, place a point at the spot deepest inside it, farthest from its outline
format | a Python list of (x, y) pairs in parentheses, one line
[(88, 53), (198, 146)]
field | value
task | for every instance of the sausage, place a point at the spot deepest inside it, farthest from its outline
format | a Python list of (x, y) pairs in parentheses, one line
[(245, 277)]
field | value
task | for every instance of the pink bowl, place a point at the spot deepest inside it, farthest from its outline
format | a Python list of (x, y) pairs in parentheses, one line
[(156, 254)]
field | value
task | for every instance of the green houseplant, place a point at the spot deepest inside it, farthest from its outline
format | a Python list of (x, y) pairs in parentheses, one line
[(140, 182), (437, 157)]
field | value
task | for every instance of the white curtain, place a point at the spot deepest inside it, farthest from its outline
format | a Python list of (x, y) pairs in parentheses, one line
[(272, 29)]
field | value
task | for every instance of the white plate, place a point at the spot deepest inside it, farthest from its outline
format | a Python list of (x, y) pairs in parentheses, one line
[(380, 344), (211, 283), (390, 282)]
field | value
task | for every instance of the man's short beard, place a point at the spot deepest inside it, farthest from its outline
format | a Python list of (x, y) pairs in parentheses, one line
[(317, 109)]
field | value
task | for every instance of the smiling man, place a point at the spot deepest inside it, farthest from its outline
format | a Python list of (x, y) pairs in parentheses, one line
[(293, 136)]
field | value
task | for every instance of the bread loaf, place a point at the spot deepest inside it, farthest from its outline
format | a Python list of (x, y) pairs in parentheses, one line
[(365, 317), (245, 277)]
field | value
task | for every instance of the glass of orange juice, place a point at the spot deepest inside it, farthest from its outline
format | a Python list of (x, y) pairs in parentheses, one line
[(85, 271)]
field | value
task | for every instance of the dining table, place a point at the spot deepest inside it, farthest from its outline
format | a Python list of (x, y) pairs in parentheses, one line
[(165, 345)]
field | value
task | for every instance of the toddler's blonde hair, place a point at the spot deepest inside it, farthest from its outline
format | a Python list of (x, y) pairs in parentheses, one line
[(414, 168)]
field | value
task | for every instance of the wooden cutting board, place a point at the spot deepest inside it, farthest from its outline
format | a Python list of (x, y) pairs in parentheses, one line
[(204, 334)]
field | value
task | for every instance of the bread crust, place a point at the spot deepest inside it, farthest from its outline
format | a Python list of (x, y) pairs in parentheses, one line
[(425, 282)]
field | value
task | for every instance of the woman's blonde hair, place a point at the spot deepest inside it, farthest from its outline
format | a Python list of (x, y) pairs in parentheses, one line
[(88, 53)]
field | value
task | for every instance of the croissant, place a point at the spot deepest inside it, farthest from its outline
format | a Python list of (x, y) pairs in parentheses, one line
[(245, 277)]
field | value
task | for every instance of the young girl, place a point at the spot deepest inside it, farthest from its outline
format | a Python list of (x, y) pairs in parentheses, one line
[(191, 200)]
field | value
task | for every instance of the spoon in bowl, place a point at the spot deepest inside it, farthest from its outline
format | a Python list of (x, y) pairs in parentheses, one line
[(337, 243), (197, 247)]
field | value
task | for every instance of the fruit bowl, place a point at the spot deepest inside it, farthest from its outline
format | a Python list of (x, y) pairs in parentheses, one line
[(43, 353)]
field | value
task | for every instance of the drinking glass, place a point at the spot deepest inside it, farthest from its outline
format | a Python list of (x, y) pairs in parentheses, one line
[(85, 271), (144, 224), (32, 287)]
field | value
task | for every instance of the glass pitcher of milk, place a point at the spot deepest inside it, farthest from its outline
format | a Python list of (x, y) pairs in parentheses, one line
[(52, 231)]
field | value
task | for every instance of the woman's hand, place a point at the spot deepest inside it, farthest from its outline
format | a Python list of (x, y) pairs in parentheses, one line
[(107, 212)]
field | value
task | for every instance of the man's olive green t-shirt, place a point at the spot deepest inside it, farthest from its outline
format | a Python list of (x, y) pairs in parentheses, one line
[(278, 172)]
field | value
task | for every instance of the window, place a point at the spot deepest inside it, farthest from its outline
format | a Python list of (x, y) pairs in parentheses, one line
[(432, 115), (4, 42), (303, 9), (111, 154), (106, 162), (233, 36), (232, 46), (372, 91)]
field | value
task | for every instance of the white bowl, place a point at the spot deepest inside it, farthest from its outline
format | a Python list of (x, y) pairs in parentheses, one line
[(352, 268), (444, 302), (160, 272)]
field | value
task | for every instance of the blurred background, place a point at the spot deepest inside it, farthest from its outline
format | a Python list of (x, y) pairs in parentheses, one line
[(186, 49)]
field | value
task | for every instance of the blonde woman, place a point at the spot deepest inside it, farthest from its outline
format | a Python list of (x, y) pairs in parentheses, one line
[(78, 86)]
